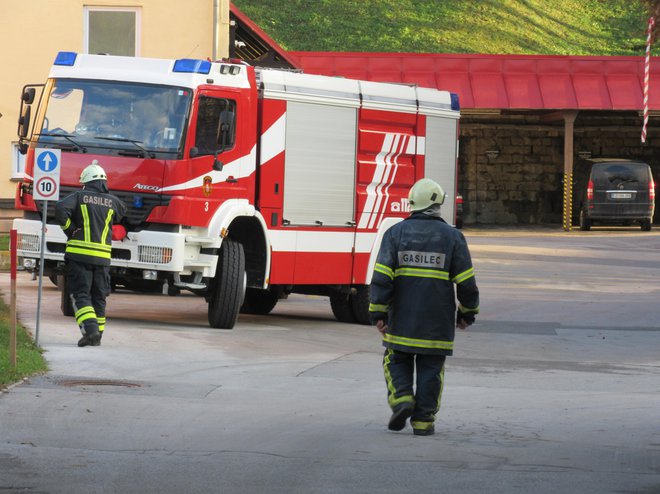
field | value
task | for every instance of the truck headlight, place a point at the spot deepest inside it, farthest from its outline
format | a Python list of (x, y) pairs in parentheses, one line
[(29, 264)]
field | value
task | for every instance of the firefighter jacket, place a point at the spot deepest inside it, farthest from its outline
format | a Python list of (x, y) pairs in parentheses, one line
[(86, 216), (419, 262)]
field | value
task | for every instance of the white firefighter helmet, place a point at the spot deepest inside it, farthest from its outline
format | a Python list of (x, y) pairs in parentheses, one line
[(93, 172), (424, 194)]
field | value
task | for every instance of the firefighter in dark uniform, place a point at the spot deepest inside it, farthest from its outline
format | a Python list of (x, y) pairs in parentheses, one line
[(413, 305), (87, 218)]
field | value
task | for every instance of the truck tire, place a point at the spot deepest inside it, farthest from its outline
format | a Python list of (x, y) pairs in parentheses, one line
[(585, 222), (66, 301), (360, 304), (228, 287), (341, 306), (259, 301)]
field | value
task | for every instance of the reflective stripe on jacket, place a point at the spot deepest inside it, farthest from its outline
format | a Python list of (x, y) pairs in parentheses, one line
[(420, 261), (86, 217)]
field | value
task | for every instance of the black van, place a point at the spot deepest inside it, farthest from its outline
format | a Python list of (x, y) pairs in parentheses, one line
[(618, 192)]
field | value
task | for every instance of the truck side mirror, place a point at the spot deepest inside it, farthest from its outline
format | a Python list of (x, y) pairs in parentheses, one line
[(217, 164), (24, 123), (28, 95), (226, 129)]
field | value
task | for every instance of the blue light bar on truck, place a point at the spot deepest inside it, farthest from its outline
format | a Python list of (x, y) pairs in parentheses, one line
[(454, 102), (66, 58), (191, 65)]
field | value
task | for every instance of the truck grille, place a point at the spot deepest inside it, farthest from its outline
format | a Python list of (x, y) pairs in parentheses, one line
[(28, 242), (154, 255), (136, 215)]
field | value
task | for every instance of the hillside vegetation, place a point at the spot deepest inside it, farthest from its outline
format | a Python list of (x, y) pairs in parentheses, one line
[(557, 27)]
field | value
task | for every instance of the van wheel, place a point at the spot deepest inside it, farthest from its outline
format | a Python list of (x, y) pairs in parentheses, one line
[(259, 301), (646, 225), (228, 287), (340, 303), (360, 305), (585, 222)]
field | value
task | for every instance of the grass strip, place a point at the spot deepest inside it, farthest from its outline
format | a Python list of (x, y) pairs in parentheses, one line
[(29, 357)]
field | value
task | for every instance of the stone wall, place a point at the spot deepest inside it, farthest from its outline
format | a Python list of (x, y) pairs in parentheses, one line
[(522, 185)]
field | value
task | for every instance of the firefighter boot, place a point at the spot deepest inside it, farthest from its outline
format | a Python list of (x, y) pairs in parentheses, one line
[(98, 343), (400, 414), (423, 428), (92, 338)]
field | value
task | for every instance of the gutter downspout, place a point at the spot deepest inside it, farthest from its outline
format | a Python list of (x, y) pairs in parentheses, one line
[(216, 28)]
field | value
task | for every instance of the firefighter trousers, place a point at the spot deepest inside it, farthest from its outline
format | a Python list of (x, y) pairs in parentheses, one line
[(402, 369), (88, 285)]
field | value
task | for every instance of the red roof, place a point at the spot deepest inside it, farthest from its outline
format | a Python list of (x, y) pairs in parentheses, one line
[(503, 81)]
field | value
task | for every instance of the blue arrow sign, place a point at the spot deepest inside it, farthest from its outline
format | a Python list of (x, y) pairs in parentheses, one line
[(47, 174), (47, 161)]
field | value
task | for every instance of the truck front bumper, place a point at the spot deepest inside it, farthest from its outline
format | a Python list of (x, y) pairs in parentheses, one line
[(145, 250)]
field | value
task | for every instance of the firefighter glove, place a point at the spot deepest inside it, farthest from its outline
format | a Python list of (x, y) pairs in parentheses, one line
[(378, 316), (464, 317), (118, 232)]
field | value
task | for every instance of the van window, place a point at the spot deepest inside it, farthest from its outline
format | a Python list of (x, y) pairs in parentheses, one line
[(617, 176)]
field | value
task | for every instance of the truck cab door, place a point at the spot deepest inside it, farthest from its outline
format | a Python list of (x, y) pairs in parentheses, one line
[(218, 152)]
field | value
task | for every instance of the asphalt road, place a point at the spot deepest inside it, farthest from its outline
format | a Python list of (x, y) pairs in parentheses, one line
[(555, 389)]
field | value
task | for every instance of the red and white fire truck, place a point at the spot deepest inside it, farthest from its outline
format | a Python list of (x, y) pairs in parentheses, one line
[(243, 184)]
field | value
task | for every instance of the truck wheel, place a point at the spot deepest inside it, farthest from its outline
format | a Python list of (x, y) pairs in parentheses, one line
[(646, 225), (66, 301), (259, 301), (341, 306), (360, 304), (585, 222), (228, 286)]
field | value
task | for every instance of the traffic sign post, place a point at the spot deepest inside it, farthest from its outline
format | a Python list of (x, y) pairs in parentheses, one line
[(46, 188)]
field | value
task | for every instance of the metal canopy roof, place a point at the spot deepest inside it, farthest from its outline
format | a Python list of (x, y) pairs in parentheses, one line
[(251, 44), (523, 82)]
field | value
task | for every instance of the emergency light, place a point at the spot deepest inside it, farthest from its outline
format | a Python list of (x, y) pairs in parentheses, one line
[(455, 105), (192, 66), (66, 58)]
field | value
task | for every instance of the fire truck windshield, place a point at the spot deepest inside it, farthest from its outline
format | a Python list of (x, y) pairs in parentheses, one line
[(115, 117)]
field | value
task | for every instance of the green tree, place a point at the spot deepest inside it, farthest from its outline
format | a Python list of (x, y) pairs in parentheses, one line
[(653, 9)]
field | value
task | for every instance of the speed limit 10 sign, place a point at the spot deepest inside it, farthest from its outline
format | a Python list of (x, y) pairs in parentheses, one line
[(47, 164)]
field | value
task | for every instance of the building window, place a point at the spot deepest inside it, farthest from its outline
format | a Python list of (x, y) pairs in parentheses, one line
[(112, 30), (17, 162)]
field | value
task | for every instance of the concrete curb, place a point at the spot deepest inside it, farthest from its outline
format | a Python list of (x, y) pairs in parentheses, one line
[(7, 388)]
